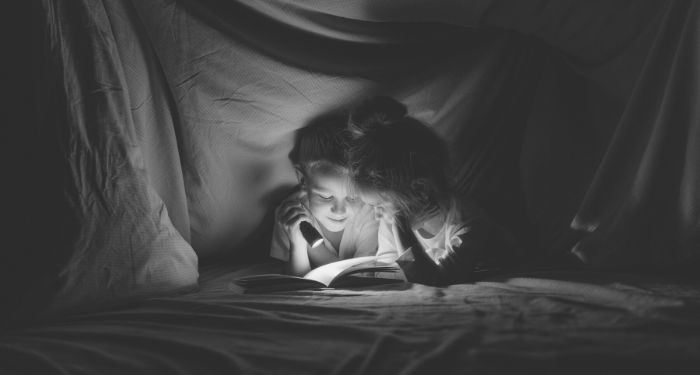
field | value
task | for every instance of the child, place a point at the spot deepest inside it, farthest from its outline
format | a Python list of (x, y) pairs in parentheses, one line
[(399, 168), (323, 199)]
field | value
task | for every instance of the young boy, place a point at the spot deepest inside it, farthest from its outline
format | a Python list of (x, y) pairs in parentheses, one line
[(323, 199)]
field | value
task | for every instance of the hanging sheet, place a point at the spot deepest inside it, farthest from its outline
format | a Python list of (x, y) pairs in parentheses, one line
[(161, 129)]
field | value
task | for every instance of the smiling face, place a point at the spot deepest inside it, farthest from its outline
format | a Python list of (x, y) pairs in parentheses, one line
[(330, 201)]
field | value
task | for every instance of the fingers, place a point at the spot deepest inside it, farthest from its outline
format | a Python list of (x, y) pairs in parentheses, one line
[(290, 212), (294, 217), (291, 203)]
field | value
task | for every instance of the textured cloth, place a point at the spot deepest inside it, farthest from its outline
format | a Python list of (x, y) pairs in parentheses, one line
[(113, 228), (160, 130), (548, 323)]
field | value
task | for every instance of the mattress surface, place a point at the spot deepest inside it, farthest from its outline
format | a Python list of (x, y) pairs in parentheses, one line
[(551, 321)]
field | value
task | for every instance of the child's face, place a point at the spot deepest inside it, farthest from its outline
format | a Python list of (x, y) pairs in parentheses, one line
[(330, 201), (384, 208)]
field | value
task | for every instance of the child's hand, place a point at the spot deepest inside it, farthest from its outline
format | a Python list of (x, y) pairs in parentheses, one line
[(289, 214)]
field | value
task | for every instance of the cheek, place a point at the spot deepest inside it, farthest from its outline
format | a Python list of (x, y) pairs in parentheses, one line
[(317, 208), (353, 207)]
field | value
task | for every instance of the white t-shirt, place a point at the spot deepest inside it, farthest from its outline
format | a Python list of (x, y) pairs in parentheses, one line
[(359, 236), (436, 247)]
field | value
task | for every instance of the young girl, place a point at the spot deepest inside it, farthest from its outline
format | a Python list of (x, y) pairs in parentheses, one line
[(399, 168), (323, 199)]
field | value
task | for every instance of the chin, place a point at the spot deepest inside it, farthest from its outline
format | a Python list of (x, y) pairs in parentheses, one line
[(334, 226)]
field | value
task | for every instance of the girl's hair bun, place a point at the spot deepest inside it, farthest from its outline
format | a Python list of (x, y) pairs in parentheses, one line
[(375, 113)]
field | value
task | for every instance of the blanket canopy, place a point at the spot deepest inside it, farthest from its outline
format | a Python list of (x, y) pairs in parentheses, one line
[(160, 129)]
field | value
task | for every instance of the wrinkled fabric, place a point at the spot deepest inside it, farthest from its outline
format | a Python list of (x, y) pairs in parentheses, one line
[(549, 322), (244, 80), (160, 129), (120, 144), (642, 207), (109, 236), (529, 96)]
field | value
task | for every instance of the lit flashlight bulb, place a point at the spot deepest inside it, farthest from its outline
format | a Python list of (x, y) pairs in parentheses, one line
[(311, 235)]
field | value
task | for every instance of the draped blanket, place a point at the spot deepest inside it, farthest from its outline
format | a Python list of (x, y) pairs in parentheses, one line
[(160, 129)]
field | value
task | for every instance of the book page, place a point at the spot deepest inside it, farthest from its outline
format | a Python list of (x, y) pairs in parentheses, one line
[(275, 282), (321, 277), (327, 272)]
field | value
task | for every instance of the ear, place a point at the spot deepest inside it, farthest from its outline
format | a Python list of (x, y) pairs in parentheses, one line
[(300, 175)]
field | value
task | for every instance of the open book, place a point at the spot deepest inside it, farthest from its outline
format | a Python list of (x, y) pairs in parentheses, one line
[(353, 272)]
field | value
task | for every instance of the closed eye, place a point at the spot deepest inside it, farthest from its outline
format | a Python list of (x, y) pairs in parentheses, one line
[(324, 196)]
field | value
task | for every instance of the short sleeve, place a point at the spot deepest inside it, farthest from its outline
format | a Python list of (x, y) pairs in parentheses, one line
[(279, 248)]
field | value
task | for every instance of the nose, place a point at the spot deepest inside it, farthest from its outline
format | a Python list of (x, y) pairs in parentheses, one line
[(338, 207)]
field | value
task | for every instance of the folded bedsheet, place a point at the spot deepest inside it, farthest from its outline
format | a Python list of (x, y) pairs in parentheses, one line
[(576, 322)]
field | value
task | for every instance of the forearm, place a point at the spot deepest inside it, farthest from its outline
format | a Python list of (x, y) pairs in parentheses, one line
[(298, 263), (321, 255)]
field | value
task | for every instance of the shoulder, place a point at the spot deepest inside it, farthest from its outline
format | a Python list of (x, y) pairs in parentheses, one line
[(363, 222), (364, 215), (279, 246), (360, 235)]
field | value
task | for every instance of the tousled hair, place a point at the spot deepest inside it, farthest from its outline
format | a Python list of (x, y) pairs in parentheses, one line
[(398, 156), (321, 145)]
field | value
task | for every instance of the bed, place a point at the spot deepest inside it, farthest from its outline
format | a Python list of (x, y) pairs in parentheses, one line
[(554, 321)]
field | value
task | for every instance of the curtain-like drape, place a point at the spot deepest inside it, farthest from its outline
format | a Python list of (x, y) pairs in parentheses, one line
[(642, 207), (245, 74), (528, 94), (163, 126), (99, 196)]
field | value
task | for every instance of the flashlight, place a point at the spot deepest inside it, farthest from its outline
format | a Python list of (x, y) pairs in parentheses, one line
[(311, 235)]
